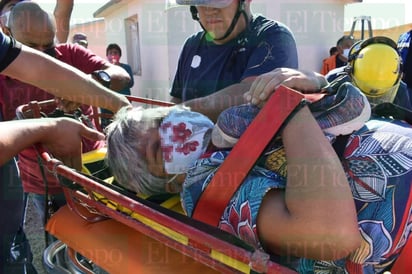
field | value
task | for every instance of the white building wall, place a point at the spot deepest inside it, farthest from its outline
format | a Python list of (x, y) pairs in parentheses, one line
[(316, 25), (152, 82)]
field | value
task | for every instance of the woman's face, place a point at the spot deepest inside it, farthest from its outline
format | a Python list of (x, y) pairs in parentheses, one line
[(152, 152), (216, 21), (150, 149), (172, 144)]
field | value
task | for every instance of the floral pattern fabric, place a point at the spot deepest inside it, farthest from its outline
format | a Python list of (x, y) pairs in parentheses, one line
[(378, 164)]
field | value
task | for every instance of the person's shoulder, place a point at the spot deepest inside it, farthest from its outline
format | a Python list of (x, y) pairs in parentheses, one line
[(65, 48), (329, 57), (194, 38), (261, 24), (125, 66), (192, 42), (405, 35), (70, 47), (64, 51), (78, 56)]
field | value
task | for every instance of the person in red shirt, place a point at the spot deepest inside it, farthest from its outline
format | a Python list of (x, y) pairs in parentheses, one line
[(62, 13), (16, 61), (32, 26)]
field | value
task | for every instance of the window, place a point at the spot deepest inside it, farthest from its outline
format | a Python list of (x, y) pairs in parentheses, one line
[(133, 44)]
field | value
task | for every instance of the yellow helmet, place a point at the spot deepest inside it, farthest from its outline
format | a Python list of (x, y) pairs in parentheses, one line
[(375, 68)]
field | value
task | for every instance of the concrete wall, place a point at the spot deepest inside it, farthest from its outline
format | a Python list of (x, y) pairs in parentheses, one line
[(96, 35), (316, 25)]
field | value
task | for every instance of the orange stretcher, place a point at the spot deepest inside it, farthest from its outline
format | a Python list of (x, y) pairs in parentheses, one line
[(124, 233), (121, 232)]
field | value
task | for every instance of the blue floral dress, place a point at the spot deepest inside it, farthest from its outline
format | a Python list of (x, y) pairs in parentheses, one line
[(378, 164)]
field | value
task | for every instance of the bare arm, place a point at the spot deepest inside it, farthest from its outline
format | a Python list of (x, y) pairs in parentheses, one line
[(62, 14), (61, 136), (315, 216), (256, 90), (212, 105), (62, 80)]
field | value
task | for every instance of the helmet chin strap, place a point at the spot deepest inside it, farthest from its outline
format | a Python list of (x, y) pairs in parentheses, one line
[(240, 10)]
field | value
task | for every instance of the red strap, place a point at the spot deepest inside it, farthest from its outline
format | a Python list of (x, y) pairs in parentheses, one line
[(239, 162), (403, 262)]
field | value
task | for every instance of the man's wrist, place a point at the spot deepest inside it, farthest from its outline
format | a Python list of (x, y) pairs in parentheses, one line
[(102, 77)]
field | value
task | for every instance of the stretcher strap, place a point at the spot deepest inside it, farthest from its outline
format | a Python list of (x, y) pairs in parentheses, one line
[(239, 162), (403, 262)]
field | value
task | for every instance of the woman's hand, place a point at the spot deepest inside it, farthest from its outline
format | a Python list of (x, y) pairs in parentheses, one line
[(264, 85)]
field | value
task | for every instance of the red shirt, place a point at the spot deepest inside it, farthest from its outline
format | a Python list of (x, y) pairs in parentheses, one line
[(14, 93)]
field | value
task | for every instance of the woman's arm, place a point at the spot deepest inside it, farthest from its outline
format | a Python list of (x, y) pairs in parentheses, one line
[(315, 216)]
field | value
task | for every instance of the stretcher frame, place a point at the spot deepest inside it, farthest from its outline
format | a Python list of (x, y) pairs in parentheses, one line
[(189, 235), (204, 243)]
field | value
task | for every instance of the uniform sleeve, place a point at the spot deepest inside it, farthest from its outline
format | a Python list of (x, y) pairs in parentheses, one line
[(9, 50)]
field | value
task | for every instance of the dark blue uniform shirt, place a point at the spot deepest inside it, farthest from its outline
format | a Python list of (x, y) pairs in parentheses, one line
[(205, 67)]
